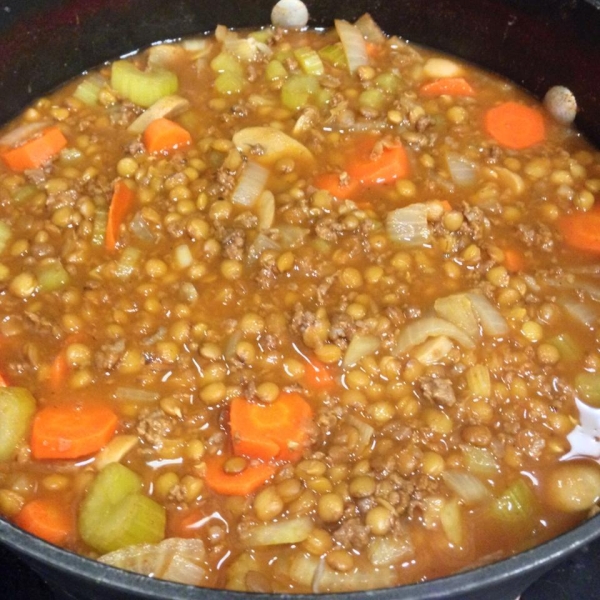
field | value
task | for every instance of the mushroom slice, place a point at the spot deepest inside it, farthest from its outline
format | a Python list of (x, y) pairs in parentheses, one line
[(169, 106)]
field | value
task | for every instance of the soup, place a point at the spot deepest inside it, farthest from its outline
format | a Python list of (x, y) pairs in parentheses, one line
[(288, 310)]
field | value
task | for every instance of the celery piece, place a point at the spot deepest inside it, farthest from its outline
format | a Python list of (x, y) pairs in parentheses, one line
[(128, 262), (22, 194), (226, 63), (229, 83), (372, 98), (115, 513), (283, 55), (89, 89), (143, 88), (99, 227), (264, 36), (568, 348), (388, 82), (298, 90), (51, 276), (274, 71), (5, 235), (17, 407), (516, 503), (310, 62), (334, 55), (588, 386)]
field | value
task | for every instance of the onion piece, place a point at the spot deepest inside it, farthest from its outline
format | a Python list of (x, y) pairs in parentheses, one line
[(266, 210), (289, 14), (115, 450), (289, 236), (23, 133), (579, 311), (286, 531), (359, 347), (466, 486), (271, 144), (164, 55), (458, 309), (452, 521), (491, 321), (130, 394), (417, 332), (176, 559), (365, 433), (247, 49), (434, 350), (353, 43), (182, 256), (388, 550), (140, 228), (261, 243), (251, 184), (408, 225), (462, 171), (169, 106), (369, 29)]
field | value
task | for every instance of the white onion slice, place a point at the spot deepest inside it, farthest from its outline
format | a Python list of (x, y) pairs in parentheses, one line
[(251, 184), (286, 531), (354, 44), (359, 347), (169, 106), (466, 486), (408, 225), (130, 394), (23, 133), (579, 311), (491, 321), (267, 145), (261, 243), (417, 332), (462, 171), (289, 14), (369, 29)]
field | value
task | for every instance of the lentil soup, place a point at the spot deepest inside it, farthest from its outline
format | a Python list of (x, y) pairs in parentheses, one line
[(290, 310)]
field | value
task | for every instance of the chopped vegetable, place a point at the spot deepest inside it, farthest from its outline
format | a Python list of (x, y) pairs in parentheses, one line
[(286, 531), (115, 514), (121, 205), (47, 519), (451, 86), (515, 125), (334, 54), (167, 107), (266, 431), (164, 135), (89, 89), (479, 381), (581, 230), (439, 67), (462, 170), (416, 332), (375, 164), (299, 90), (568, 348), (469, 488), (452, 521), (142, 87), (36, 152), (317, 376), (491, 321), (339, 187), (514, 260), (458, 309), (588, 386), (516, 503), (71, 431), (309, 61), (17, 407), (273, 143), (480, 460), (359, 347), (51, 275), (251, 184), (408, 225), (353, 43), (241, 483)]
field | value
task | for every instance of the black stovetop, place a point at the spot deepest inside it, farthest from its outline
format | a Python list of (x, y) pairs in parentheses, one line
[(576, 579)]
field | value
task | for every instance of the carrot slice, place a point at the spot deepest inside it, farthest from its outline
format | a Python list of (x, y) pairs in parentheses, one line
[(515, 125), (236, 484), (60, 368), (514, 260), (277, 430), (47, 519), (3, 381), (331, 183), (582, 230), (36, 152), (387, 166), (451, 86), (121, 205), (164, 135), (71, 431), (317, 376)]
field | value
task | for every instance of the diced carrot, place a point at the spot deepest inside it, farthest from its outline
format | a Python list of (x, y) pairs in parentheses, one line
[(388, 165), (187, 525), (266, 431), (331, 183), (373, 49), (515, 125), (3, 381), (317, 376), (36, 152), (47, 519), (121, 205), (582, 230), (68, 431), (450, 86), (164, 135), (446, 205), (514, 260), (236, 484), (60, 369)]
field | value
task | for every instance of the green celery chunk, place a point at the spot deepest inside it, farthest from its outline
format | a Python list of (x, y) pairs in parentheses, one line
[(115, 513), (51, 276), (334, 55), (515, 504), (480, 460), (275, 70), (298, 90), (310, 62), (228, 83), (567, 347), (226, 63), (143, 88), (89, 89), (17, 407), (588, 386), (372, 98), (5, 235)]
